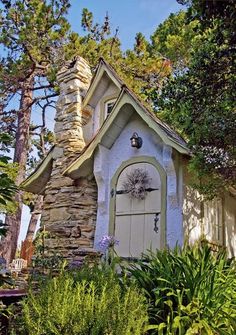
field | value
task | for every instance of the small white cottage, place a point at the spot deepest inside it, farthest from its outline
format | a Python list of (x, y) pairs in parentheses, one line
[(116, 169)]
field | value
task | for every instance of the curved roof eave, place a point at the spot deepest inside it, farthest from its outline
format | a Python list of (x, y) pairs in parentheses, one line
[(36, 181)]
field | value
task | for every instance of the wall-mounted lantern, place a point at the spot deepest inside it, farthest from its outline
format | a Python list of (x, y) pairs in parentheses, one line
[(136, 141)]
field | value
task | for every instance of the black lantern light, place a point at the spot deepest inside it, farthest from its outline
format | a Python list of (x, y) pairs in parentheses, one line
[(136, 141)]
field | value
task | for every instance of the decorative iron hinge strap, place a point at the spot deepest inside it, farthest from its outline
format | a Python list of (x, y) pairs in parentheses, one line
[(126, 192)]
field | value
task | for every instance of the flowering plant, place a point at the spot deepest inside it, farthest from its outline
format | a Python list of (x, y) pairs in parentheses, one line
[(107, 242)]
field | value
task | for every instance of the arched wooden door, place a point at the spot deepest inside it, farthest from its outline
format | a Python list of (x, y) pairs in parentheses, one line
[(139, 222)]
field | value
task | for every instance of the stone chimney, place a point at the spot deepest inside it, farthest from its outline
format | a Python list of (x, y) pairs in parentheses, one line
[(74, 81), (70, 206)]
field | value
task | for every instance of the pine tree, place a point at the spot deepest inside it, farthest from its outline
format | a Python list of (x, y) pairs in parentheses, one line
[(32, 34)]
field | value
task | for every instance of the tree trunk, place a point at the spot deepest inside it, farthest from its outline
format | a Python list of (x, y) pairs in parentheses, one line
[(9, 243), (27, 247), (34, 218)]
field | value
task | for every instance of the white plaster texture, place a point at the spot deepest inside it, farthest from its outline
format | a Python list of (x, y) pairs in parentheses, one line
[(174, 230), (107, 162), (111, 90), (192, 213)]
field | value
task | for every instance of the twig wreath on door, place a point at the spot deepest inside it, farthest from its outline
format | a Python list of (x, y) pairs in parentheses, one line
[(136, 184)]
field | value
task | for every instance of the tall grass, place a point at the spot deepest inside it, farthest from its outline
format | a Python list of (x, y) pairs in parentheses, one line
[(89, 303), (191, 291)]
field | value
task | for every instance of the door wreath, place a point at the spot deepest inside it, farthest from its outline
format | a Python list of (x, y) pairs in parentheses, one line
[(136, 184)]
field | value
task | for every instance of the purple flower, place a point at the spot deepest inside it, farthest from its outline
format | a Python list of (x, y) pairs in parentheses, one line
[(107, 242), (76, 264)]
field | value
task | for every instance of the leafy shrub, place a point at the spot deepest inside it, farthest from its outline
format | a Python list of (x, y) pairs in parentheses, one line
[(90, 302), (191, 291), (100, 274)]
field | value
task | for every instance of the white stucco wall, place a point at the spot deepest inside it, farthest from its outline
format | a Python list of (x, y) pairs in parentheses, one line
[(90, 129), (111, 90), (192, 209), (106, 163)]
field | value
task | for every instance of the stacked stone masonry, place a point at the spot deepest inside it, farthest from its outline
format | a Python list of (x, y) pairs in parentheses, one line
[(70, 206)]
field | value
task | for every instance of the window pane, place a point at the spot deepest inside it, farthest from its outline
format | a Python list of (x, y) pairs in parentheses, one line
[(109, 107)]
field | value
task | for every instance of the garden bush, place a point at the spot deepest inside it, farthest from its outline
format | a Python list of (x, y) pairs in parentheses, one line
[(191, 291), (85, 302)]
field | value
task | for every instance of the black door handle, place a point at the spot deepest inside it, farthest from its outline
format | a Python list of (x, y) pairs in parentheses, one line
[(156, 220)]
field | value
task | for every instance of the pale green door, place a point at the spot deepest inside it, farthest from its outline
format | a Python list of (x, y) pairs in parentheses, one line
[(137, 221)]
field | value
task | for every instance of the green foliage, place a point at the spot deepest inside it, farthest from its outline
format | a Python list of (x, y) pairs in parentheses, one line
[(42, 262), (140, 68), (97, 42), (32, 35), (191, 291), (31, 31), (96, 31), (7, 186), (199, 101), (93, 305), (175, 39), (100, 273), (7, 175), (6, 281), (49, 263), (143, 72)]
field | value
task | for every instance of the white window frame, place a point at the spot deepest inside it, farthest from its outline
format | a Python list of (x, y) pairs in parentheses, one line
[(110, 101)]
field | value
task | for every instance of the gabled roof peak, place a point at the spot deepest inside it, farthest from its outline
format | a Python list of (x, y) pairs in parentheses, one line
[(111, 72)]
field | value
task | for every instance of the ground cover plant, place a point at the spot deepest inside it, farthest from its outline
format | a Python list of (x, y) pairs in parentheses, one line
[(191, 291), (89, 301)]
